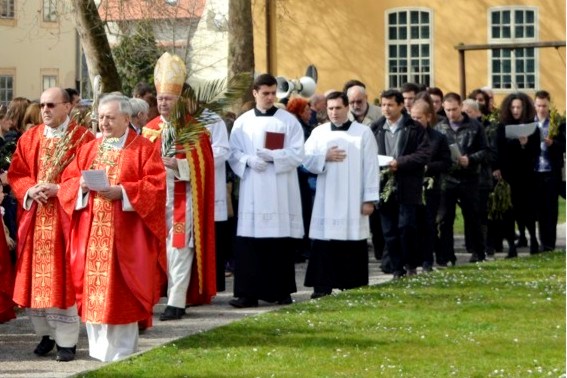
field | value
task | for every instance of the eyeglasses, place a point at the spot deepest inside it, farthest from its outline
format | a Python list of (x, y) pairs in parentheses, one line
[(50, 105)]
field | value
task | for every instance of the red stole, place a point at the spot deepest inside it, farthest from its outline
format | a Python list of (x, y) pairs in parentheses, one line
[(202, 286)]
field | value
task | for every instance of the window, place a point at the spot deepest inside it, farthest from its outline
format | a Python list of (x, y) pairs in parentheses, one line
[(49, 10), (6, 8), (6, 89), (408, 47), (513, 68), (49, 81)]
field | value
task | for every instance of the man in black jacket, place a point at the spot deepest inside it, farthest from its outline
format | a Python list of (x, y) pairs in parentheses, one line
[(548, 170), (406, 143), (467, 141)]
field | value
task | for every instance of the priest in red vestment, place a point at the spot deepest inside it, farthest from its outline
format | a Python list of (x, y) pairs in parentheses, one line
[(190, 199), (43, 279), (117, 231)]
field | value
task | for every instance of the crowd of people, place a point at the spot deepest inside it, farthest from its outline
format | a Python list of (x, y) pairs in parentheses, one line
[(251, 195)]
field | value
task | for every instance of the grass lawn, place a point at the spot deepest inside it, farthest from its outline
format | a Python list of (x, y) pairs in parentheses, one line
[(497, 319)]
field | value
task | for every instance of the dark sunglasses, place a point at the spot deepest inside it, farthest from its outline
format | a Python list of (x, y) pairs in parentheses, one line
[(50, 105)]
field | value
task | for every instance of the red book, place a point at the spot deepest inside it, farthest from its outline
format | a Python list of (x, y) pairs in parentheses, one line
[(274, 141)]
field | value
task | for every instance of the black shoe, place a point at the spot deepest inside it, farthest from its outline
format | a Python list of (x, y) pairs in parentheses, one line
[(243, 302), (172, 313), (476, 258), (66, 354), (399, 274), (45, 346), (412, 272), (522, 242), (534, 247), (453, 260), (285, 300), (318, 294)]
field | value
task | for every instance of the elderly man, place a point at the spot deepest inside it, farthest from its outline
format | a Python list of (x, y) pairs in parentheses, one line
[(360, 110), (43, 279), (365, 113), (140, 109), (190, 206), (117, 231)]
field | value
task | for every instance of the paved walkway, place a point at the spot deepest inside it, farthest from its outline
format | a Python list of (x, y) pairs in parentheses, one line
[(17, 339)]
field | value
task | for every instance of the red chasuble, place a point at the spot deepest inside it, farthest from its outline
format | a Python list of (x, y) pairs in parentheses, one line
[(114, 253), (6, 279), (43, 278), (202, 287)]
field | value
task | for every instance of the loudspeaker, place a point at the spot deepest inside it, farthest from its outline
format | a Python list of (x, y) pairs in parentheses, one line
[(305, 86)]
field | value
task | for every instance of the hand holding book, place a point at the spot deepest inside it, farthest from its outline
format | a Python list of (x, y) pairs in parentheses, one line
[(274, 140)]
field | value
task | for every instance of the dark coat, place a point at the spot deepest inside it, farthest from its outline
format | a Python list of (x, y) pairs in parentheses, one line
[(414, 154), (516, 162), (440, 160), (471, 139)]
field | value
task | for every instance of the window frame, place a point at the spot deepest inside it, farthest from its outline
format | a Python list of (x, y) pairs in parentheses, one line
[(51, 6), (10, 5), (408, 42), (513, 53), (7, 94)]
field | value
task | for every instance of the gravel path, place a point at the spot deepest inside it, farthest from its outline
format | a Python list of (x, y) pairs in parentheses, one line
[(17, 339)]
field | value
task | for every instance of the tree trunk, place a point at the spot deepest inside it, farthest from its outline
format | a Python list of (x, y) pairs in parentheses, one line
[(95, 45), (240, 40)]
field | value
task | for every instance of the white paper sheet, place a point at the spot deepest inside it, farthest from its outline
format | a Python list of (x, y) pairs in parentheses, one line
[(96, 179), (384, 160), (521, 130), (455, 151)]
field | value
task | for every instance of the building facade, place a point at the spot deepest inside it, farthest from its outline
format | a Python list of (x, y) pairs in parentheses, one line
[(389, 42), (40, 48), (382, 43)]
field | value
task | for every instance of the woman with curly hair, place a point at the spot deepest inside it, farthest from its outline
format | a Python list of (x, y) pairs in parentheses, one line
[(515, 164)]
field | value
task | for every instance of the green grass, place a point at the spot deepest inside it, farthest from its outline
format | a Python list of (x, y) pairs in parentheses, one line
[(496, 319), (459, 226)]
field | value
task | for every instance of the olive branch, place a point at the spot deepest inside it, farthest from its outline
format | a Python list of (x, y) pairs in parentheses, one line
[(59, 157)]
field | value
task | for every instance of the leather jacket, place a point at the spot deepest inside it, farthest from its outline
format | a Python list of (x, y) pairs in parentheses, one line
[(471, 139)]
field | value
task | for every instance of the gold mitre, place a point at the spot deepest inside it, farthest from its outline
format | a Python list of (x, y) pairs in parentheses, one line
[(169, 74)]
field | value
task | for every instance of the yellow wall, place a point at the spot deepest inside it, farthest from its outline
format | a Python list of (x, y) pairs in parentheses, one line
[(31, 48), (346, 40)]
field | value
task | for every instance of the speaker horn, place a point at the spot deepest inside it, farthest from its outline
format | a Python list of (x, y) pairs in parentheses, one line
[(305, 86)]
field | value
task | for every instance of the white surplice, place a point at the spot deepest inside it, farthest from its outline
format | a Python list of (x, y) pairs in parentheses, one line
[(269, 201), (221, 152), (342, 187)]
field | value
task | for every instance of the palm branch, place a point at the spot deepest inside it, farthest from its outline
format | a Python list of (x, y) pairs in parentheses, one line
[(198, 107)]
